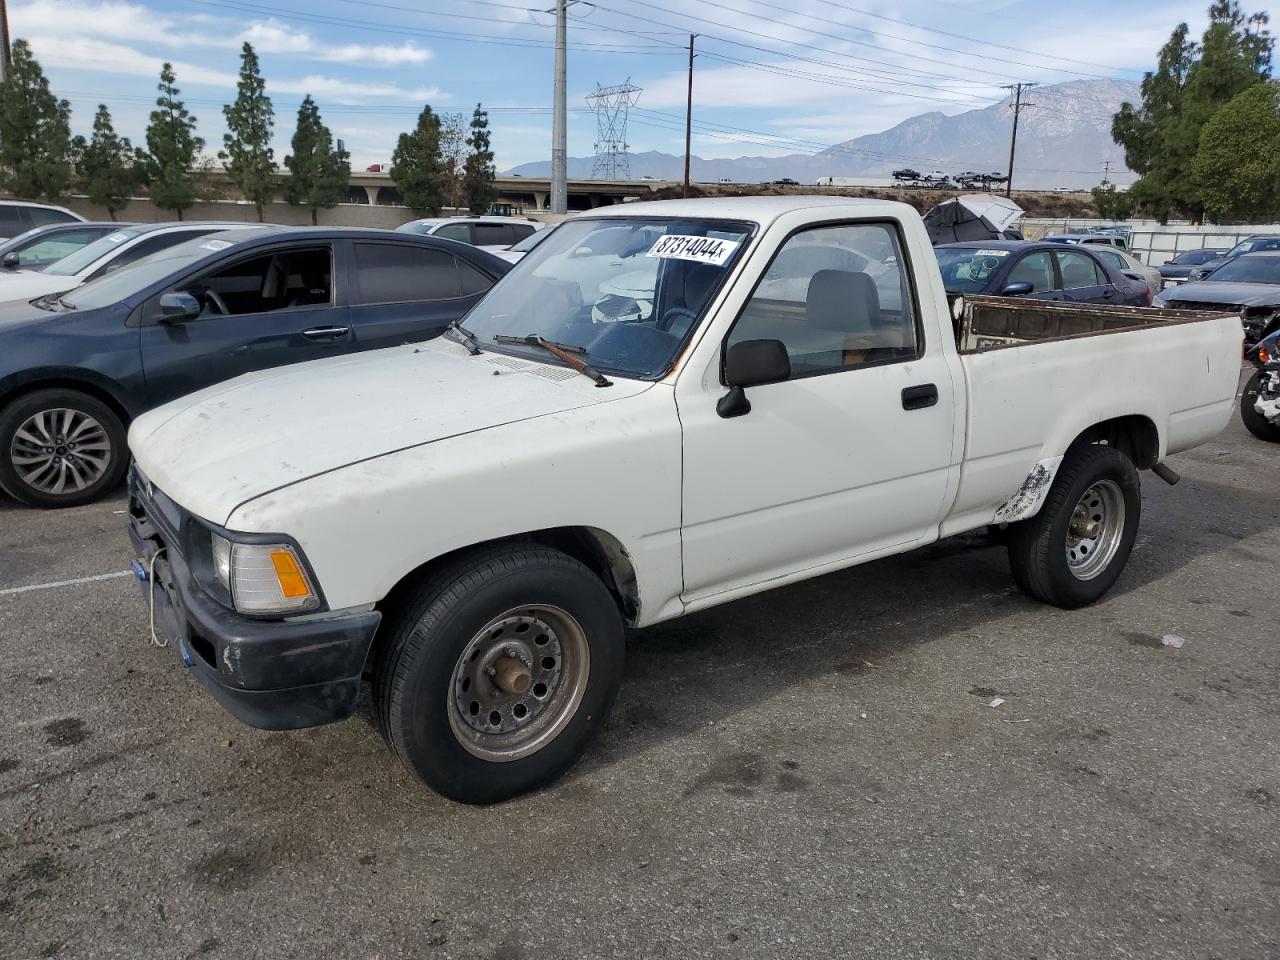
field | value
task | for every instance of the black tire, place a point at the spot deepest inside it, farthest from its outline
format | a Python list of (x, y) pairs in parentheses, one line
[(434, 622), (1038, 546), (1254, 422), (20, 411)]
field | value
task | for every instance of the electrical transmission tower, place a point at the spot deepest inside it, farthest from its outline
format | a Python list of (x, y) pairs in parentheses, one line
[(611, 105)]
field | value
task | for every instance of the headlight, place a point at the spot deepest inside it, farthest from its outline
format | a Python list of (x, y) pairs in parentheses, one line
[(262, 577)]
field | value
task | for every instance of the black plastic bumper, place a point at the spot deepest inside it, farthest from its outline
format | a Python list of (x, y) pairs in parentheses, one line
[(271, 674)]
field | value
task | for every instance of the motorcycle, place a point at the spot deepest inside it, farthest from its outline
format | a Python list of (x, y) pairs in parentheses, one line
[(1260, 402)]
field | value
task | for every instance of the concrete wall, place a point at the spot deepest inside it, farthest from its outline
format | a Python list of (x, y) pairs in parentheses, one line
[(343, 215)]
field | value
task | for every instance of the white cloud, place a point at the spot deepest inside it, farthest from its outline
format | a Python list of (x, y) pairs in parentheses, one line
[(113, 19)]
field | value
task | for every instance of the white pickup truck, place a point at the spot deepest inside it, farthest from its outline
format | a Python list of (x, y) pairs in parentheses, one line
[(663, 407)]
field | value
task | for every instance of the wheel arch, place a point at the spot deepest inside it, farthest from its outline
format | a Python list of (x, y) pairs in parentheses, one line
[(600, 551), (1135, 435), (89, 384)]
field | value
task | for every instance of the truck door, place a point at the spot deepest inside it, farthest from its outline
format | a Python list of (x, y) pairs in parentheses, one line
[(848, 456)]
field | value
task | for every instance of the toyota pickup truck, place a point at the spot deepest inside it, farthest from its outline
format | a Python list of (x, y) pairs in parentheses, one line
[(663, 407)]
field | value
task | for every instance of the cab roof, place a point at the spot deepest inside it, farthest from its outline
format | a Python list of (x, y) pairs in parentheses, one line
[(761, 210)]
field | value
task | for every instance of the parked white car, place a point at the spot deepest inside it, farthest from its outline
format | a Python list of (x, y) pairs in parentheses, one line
[(489, 233), (474, 521), (1128, 263), (105, 255), (518, 250), (19, 216)]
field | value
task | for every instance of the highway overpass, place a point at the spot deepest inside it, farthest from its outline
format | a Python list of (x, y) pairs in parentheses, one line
[(530, 194)]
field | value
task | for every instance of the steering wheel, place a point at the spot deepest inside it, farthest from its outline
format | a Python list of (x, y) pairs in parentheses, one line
[(213, 297)]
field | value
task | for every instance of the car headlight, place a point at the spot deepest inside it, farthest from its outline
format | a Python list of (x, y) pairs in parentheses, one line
[(262, 577)]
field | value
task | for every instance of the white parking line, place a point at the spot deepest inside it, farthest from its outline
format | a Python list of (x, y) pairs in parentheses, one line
[(9, 591)]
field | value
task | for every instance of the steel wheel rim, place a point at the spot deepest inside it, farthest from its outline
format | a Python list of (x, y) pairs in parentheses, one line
[(1095, 530), (60, 451), (541, 644)]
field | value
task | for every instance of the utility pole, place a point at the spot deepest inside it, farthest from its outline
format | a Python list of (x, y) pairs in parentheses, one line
[(4, 39), (559, 136), (1018, 107), (688, 118), (1106, 164)]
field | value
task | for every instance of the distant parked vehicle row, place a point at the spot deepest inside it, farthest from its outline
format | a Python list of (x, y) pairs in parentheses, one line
[(41, 247), (1179, 268), (1258, 243), (19, 216), (489, 233), (1248, 284), (107, 254), (76, 369), (1039, 270)]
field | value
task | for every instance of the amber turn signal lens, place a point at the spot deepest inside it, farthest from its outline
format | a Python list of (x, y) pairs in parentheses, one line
[(292, 582)]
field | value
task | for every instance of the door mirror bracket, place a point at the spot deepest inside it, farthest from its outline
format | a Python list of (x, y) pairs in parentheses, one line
[(751, 363)]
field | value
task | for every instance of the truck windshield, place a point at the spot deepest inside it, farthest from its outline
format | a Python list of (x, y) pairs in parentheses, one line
[(627, 291)]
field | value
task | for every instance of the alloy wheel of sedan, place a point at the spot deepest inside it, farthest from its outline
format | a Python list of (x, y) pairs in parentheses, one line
[(60, 451)]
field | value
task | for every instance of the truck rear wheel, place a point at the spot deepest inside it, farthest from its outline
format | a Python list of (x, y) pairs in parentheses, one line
[(1255, 422), (1074, 549), (497, 671)]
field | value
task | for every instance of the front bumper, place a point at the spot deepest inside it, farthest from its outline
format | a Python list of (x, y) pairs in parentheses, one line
[(271, 674)]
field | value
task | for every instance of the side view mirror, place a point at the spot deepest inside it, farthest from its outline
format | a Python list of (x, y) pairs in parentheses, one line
[(11, 260), (1019, 289), (751, 363), (175, 307)]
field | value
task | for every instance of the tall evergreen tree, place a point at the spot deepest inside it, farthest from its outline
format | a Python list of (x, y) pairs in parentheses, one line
[(453, 155), (108, 169), (173, 149), (1238, 161), (1191, 81), (247, 144), (479, 175), (318, 173), (416, 167), (35, 130)]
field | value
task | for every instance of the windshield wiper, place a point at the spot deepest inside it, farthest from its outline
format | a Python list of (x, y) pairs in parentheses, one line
[(66, 306), (561, 351), (462, 335)]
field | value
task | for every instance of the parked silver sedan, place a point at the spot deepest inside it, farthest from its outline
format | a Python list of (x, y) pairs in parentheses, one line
[(1128, 263)]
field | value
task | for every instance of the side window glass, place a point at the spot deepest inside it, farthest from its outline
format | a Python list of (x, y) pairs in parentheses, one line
[(12, 222), (1034, 269), (267, 283), (473, 281), (42, 216), (1078, 270), (455, 231), (521, 230), (837, 297), (492, 235), (404, 273)]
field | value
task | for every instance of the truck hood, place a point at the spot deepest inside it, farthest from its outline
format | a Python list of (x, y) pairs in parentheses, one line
[(217, 449), (1228, 294)]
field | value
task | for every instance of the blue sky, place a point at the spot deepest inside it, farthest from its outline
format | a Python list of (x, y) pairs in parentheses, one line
[(773, 77)]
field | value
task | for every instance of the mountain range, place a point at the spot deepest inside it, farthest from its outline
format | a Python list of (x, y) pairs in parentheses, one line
[(1063, 141)]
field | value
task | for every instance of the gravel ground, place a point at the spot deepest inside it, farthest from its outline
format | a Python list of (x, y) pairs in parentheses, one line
[(816, 772)]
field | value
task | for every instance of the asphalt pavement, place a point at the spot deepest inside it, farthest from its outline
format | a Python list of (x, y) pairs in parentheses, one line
[(815, 772)]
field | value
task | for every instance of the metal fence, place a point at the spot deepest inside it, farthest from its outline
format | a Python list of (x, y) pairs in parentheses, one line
[(1152, 242)]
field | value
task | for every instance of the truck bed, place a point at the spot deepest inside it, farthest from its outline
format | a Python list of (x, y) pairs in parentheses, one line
[(1038, 374), (993, 323)]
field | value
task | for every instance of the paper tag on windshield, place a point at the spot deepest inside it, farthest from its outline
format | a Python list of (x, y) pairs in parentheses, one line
[(215, 245), (117, 237), (675, 246), (993, 253)]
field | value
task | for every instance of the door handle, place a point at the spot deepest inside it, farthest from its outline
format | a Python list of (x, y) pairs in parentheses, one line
[(919, 397), (326, 333)]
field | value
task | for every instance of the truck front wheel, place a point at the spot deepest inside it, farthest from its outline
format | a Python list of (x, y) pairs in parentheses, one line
[(1074, 549), (496, 671)]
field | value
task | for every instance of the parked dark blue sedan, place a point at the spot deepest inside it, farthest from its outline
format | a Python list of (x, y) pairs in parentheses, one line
[(1039, 270), (75, 370)]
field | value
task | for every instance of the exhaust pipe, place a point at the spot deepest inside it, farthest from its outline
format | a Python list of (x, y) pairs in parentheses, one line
[(1166, 473)]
